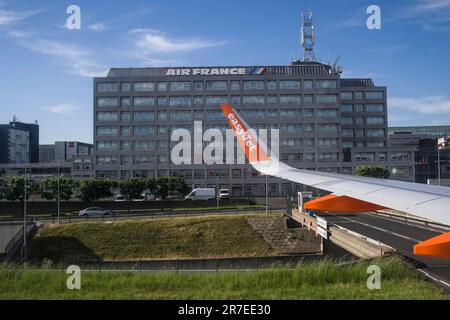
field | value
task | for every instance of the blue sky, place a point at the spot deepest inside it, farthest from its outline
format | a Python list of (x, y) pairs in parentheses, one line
[(46, 70)]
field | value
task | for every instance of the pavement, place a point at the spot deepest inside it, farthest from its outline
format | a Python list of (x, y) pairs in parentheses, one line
[(400, 235)]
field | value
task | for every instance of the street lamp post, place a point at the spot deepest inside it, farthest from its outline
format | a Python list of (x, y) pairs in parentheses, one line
[(58, 177), (439, 165), (267, 194), (24, 254)]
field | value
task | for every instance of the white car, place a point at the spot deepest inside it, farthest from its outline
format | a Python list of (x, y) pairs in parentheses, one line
[(120, 198), (224, 194), (95, 212)]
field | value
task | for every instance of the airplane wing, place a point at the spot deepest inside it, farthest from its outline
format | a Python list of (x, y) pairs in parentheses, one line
[(429, 202)]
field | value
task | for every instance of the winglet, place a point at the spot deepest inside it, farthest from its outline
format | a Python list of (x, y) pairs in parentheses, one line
[(435, 247), (253, 150)]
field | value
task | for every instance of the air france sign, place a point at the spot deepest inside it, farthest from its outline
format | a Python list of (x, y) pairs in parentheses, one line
[(214, 71)]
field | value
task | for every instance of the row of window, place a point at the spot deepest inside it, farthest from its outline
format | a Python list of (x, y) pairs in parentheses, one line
[(370, 107), (382, 156), (361, 133), (215, 100), (214, 85), (371, 120), (359, 95)]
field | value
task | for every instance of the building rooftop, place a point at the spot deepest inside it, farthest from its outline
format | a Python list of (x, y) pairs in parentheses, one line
[(356, 83)]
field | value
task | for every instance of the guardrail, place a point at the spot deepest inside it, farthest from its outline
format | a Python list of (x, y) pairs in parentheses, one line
[(16, 241), (152, 215), (413, 219)]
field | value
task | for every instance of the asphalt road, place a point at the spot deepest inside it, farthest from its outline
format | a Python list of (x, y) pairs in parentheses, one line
[(400, 235)]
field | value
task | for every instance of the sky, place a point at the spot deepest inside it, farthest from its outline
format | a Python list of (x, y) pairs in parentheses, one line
[(46, 70)]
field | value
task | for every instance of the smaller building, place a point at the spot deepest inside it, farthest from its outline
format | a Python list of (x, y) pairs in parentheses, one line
[(410, 136), (429, 158), (46, 153), (66, 150), (19, 143)]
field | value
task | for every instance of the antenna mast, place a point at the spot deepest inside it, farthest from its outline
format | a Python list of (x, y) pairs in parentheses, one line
[(307, 38)]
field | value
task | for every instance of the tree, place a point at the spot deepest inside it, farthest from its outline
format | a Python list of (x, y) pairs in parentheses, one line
[(95, 189), (3, 186), (179, 185), (373, 172), (49, 188), (163, 187), (152, 185), (15, 190), (132, 188)]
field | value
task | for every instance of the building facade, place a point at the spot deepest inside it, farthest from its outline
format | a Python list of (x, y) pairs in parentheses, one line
[(410, 136), (325, 123), (429, 160), (19, 143)]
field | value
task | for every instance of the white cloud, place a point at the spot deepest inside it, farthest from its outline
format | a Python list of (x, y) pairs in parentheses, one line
[(154, 41), (424, 105), (75, 60), (97, 27), (62, 109), (8, 17)]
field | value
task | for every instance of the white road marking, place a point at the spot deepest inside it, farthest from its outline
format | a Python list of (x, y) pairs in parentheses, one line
[(381, 229), (434, 278), (406, 223)]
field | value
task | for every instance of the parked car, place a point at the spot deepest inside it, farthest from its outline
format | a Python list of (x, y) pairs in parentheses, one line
[(202, 194), (95, 212), (120, 198), (139, 198), (224, 194)]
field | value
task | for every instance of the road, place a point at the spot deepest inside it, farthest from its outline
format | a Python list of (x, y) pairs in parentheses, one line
[(400, 235)]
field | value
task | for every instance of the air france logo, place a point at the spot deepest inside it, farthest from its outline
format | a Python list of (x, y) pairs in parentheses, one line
[(206, 72), (258, 71)]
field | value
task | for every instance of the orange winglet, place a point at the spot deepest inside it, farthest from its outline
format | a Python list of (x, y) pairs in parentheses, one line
[(343, 204), (435, 247), (253, 150)]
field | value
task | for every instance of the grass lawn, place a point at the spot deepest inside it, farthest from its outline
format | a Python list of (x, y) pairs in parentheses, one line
[(222, 207), (321, 280), (194, 237)]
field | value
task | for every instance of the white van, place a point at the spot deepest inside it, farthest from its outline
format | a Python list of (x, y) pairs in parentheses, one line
[(202, 194)]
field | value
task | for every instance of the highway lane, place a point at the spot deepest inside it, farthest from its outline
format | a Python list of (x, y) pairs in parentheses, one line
[(400, 235)]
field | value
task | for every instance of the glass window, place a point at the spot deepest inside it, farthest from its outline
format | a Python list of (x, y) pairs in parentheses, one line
[(358, 95), (180, 101), (327, 128), (375, 120), (347, 144), (253, 99), (403, 171), (347, 133), (107, 102), (359, 133), (143, 116), (180, 115), (382, 156), (375, 107), (215, 100), (291, 142), (125, 131), (375, 144), (365, 156), (326, 98), (162, 86), (359, 121), (235, 85), (399, 156), (198, 100), (143, 86), (327, 142), (346, 108), (309, 142), (144, 159), (144, 145), (126, 87), (326, 84), (309, 127), (198, 115), (346, 95), (125, 145), (359, 107), (347, 120), (327, 113), (107, 131), (290, 99), (144, 130), (143, 101), (180, 86), (308, 113), (215, 115), (125, 116), (107, 116), (308, 99), (289, 85), (307, 84), (163, 129), (271, 85), (198, 85), (216, 85), (291, 127), (107, 160), (163, 144), (162, 101), (107, 87), (126, 159), (107, 145), (254, 85), (375, 132), (328, 156), (235, 100), (290, 113), (125, 102), (310, 157), (373, 95), (272, 99)]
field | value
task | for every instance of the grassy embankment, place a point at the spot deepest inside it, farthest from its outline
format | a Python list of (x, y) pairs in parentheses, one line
[(322, 280), (194, 237)]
